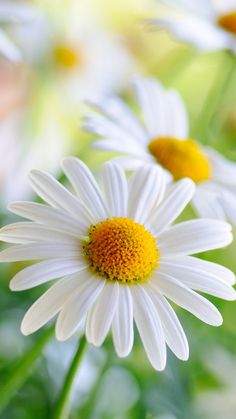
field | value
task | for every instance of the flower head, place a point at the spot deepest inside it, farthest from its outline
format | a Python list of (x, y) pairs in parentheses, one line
[(118, 256), (164, 140), (207, 24)]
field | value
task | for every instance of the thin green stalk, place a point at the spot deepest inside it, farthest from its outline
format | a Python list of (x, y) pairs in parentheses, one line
[(214, 99), (19, 375), (63, 404)]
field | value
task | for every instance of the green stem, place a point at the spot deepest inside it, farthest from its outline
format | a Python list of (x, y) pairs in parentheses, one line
[(214, 100), (20, 374), (63, 404)]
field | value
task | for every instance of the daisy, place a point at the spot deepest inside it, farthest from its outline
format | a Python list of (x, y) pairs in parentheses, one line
[(13, 14), (119, 258), (207, 24), (73, 49), (163, 139)]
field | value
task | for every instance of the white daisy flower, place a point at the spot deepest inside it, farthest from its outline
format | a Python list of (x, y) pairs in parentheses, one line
[(207, 24), (119, 258), (163, 139), (73, 47), (13, 13)]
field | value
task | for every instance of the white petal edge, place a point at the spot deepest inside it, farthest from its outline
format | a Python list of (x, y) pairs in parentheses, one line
[(173, 331), (149, 327), (194, 236), (122, 325), (187, 299), (116, 189), (45, 271), (101, 314), (77, 306), (49, 304)]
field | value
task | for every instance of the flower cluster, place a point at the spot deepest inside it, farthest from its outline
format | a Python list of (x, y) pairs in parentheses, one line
[(119, 256)]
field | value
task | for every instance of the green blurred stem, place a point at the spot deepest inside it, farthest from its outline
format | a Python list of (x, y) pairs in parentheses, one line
[(19, 375), (63, 405), (212, 105)]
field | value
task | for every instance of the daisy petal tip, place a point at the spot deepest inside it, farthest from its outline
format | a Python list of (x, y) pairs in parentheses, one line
[(13, 286), (231, 294), (159, 367), (60, 336), (185, 357), (66, 161), (24, 329), (218, 321)]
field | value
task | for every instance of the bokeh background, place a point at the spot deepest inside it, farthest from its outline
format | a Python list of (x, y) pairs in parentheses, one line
[(75, 50)]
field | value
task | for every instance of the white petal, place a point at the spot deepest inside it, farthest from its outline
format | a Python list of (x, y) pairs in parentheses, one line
[(86, 186), (176, 115), (77, 306), (188, 299), (116, 189), (101, 315), (122, 325), (228, 202), (104, 127), (150, 95), (204, 265), (198, 280), (41, 250), (145, 187), (56, 195), (8, 49), (223, 170), (173, 331), (172, 206), (194, 236), (206, 203), (149, 327), (43, 214), (41, 272), (116, 109), (132, 163), (48, 305), (27, 232), (125, 146), (203, 34)]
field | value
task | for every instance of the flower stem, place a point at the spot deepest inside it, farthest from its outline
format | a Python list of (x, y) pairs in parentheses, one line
[(63, 405)]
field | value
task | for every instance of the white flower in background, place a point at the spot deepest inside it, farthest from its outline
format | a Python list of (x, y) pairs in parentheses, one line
[(13, 14), (163, 139), (207, 24), (80, 56), (119, 258)]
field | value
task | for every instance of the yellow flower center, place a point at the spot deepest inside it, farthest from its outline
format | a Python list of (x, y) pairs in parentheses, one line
[(120, 249), (228, 22), (183, 158), (66, 57)]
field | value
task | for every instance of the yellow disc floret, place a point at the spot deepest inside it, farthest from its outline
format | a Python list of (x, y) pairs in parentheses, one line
[(183, 158), (228, 22), (66, 56), (120, 249)]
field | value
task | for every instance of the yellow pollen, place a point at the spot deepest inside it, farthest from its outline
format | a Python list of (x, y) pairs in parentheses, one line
[(183, 158), (120, 249), (66, 57), (228, 22)]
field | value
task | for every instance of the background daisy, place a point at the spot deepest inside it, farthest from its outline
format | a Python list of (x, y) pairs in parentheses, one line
[(161, 136), (207, 24), (119, 258)]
